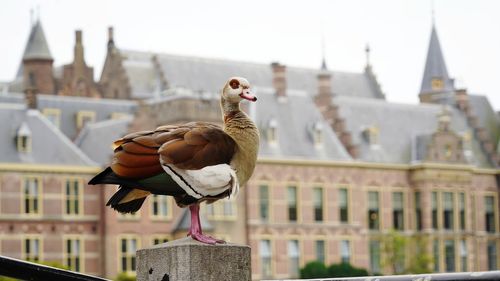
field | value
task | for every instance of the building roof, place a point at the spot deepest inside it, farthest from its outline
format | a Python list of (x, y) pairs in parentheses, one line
[(402, 129), (487, 117), (48, 144), (96, 139), (295, 121), (435, 67), (208, 75), (36, 47)]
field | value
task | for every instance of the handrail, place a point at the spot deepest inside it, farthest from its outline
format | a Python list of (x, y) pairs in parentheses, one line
[(459, 276), (25, 270)]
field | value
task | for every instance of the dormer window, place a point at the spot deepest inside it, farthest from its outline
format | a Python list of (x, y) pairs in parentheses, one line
[(437, 84), (84, 117), (53, 114), (318, 133), (371, 135), (272, 131), (23, 138)]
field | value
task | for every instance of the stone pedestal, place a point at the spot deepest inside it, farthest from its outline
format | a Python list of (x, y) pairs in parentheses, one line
[(186, 259)]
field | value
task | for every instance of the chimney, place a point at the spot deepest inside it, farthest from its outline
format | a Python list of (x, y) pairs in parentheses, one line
[(30, 97), (279, 79), (325, 87), (78, 47)]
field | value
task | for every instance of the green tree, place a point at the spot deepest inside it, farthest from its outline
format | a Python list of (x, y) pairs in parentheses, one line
[(394, 245), (345, 270), (314, 269), (394, 248), (125, 277), (421, 260)]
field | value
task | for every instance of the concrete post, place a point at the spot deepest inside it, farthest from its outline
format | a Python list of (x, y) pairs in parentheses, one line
[(187, 259)]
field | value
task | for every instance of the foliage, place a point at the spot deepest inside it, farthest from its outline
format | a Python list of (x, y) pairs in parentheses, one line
[(394, 247), (420, 262), (125, 277), (314, 269), (345, 270)]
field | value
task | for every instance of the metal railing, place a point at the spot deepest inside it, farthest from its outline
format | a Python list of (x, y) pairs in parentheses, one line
[(24, 270), (460, 276)]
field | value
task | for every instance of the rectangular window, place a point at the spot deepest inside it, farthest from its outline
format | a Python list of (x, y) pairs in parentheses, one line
[(492, 255), (32, 249), (434, 207), (73, 192), (435, 254), (373, 210), (265, 258), (449, 255), (293, 258), (397, 211), (448, 210), (345, 251), (343, 205), (160, 205), (418, 211), (31, 194), (53, 115), (489, 214), (375, 257), (461, 209), (292, 203), (463, 255), (73, 254), (128, 247), (318, 203), (264, 202), (320, 250)]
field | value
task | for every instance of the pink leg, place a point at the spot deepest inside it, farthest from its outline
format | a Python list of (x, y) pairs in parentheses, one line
[(195, 230)]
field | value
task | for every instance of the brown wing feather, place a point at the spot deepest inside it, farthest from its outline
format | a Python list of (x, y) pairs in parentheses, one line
[(191, 146)]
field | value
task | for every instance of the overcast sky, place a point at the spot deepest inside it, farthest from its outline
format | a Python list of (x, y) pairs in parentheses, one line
[(285, 31)]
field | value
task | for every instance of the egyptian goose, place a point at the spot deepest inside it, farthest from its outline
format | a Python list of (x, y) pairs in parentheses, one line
[(194, 162)]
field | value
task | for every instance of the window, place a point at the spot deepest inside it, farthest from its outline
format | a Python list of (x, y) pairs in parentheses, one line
[(264, 203), (293, 258), (320, 250), (31, 78), (345, 251), (292, 203), (23, 138), (160, 240), (489, 207), (397, 211), (434, 210), (375, 257), (343, 205), (32, 191), (161, 207), (32, 249), (449, 255), (463, 255), (448, 210), (435, 254), (437, 84), (373, 210), (318, 203), (492, 255), (461, 209), (318, 134), (265, 258), (84, 117), (53, 115), (222, 210), (73, 254), (272, 132), (128, 247), (418, 211), (73, 200)]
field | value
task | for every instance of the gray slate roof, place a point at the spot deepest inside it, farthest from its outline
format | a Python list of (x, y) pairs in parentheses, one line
[(295, 120), (49, 145), (435, 66), (70, 106), (486, 115), (96, 139), (36, 47), (208, 75), (400, 126)]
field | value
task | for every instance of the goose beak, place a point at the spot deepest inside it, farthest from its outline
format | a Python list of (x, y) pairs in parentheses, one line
[(246, 94)]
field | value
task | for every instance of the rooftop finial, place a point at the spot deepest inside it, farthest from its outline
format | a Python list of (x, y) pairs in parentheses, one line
[(367, 51), (32, 17), (323, 51), (433, 12)]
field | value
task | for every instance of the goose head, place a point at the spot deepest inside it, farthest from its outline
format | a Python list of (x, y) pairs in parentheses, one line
[(237, 89)]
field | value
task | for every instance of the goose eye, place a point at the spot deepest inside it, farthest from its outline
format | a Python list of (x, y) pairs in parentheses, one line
[(235, 84)]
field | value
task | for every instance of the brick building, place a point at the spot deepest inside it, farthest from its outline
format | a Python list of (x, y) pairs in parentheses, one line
[(339, 166)]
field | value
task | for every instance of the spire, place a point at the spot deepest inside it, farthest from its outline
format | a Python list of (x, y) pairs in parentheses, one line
[(435, 78), (367, 51), (323, 52), (37, 47)]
